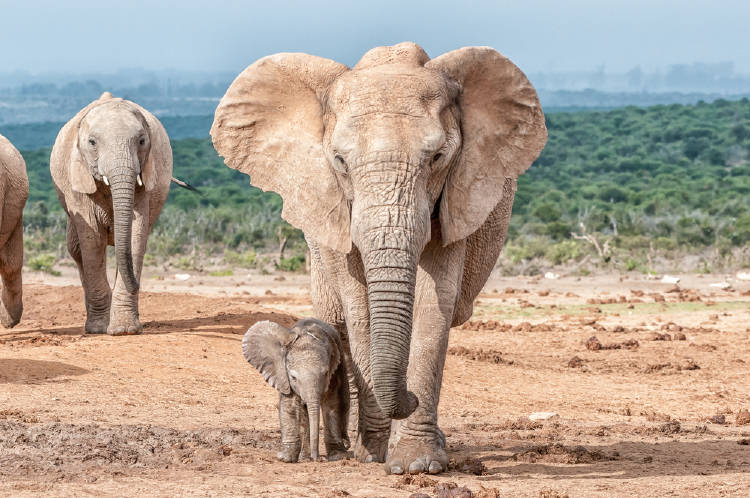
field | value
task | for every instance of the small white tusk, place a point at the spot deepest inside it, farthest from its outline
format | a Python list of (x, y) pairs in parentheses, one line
[(106, 181), (140, 182)]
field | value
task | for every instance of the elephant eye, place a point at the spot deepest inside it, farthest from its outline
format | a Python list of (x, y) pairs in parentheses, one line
[(92, 142), (437, 157), (142, 141), (340, 161)]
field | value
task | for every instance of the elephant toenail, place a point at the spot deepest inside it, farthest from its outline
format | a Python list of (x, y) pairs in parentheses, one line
[(435, 468), (369, 459), (397, 469), (416, 467)]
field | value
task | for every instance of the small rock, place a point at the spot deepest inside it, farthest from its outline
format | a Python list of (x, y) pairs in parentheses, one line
[(575, 362), (717, 419), (593, 344), (668, 279), (680, 337), (539, 416), (743, 418), (551, 276)]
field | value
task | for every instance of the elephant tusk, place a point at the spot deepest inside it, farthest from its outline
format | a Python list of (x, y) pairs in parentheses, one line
[(140, 182), (106, 181)]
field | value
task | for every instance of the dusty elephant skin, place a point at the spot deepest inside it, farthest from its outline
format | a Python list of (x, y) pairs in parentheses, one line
[(14, 189), (305, 364), (111, 165), (401, 172)]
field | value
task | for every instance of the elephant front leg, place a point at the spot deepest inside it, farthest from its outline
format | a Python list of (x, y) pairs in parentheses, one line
[(335, 406), (11, 264), (289, 420), (124, 316), (88, 247), (417, 444)]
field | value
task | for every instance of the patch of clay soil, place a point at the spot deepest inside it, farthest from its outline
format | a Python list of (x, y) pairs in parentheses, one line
[(177, 411)]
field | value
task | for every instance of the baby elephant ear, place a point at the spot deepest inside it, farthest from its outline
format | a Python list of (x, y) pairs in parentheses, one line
[(263, 346)]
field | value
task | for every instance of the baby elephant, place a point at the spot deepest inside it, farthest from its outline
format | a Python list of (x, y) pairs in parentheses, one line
[(306, 365)]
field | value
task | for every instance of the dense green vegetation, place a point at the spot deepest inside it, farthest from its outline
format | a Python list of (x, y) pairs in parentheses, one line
[(649, 186)]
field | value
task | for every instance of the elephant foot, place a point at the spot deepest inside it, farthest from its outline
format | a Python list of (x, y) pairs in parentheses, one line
[(333, 456), (418, 454), (127, 325), (288, 454), (96, 325), (8, 320), (11, 310), (371, 446)]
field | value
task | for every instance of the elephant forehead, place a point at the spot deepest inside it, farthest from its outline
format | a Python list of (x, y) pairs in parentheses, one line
[(395, 89), (113, 118)]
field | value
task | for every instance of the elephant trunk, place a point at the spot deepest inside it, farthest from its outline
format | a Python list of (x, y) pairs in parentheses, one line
[(390, 227), (122, 186), (391, 275), (313, 417)]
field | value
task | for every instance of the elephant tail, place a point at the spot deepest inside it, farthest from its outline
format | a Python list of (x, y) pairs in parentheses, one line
[(185, 185)]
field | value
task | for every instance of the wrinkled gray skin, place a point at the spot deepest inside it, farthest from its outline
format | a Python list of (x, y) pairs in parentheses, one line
[(401, 172), (305, 364), (111, 165), (14, 189)]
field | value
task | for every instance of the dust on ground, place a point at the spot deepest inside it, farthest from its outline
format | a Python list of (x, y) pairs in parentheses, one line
[(649, 382)]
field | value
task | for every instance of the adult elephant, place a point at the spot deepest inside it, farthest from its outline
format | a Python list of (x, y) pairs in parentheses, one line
[(111, 165), (14, 190), (401, 172)]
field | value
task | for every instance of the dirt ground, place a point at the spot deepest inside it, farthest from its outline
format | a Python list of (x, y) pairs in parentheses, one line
[(648, 381)]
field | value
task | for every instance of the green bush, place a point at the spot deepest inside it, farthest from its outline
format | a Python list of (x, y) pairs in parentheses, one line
[(564, 251), (247, 259), (44, 263), (293, 263)]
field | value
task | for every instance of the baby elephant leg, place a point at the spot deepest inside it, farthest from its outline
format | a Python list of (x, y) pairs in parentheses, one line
[(289, 414), (336, 415)]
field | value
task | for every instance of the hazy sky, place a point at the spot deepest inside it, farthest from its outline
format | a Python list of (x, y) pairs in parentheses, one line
[(101, 36)]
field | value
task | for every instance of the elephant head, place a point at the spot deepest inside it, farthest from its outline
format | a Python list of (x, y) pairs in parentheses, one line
[(370, 155), (112, 154), (300, 361)]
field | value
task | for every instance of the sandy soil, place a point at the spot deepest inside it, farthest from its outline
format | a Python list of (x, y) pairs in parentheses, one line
[(651, 407)]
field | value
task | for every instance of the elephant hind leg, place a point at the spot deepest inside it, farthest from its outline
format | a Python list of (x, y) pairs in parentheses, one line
[(11, 265)]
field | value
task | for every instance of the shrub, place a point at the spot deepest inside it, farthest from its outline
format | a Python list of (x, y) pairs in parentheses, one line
[(293, 263), (44, 263), (247, 259)]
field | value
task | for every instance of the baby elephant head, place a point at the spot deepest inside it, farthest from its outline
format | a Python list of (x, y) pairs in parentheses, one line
[(299, 361)]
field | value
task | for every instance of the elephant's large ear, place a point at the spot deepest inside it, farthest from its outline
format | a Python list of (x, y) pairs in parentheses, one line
[(264, 347), (503, 131), (148, 169), (81, 179), (269, 125)]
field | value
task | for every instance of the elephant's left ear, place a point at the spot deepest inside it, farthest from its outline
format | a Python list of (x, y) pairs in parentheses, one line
[(81, 179), (503, 131)]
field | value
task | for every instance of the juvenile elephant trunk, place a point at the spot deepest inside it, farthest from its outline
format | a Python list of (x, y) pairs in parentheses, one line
[(123, 190), (391, 275), (313, 417)]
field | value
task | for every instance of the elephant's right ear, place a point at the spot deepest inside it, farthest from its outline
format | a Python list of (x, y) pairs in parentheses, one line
[(264, 347), (269, 125), (81, 179)]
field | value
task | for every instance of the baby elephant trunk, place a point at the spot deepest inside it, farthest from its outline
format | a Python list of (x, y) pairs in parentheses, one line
[(313, 415)]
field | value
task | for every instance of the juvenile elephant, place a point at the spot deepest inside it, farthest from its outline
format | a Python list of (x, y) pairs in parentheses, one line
[(401, 172), (306, 365), (111, 165), (14, 189)]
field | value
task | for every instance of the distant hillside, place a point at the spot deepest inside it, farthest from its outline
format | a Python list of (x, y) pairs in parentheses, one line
[(664, 178), (31, 136)]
